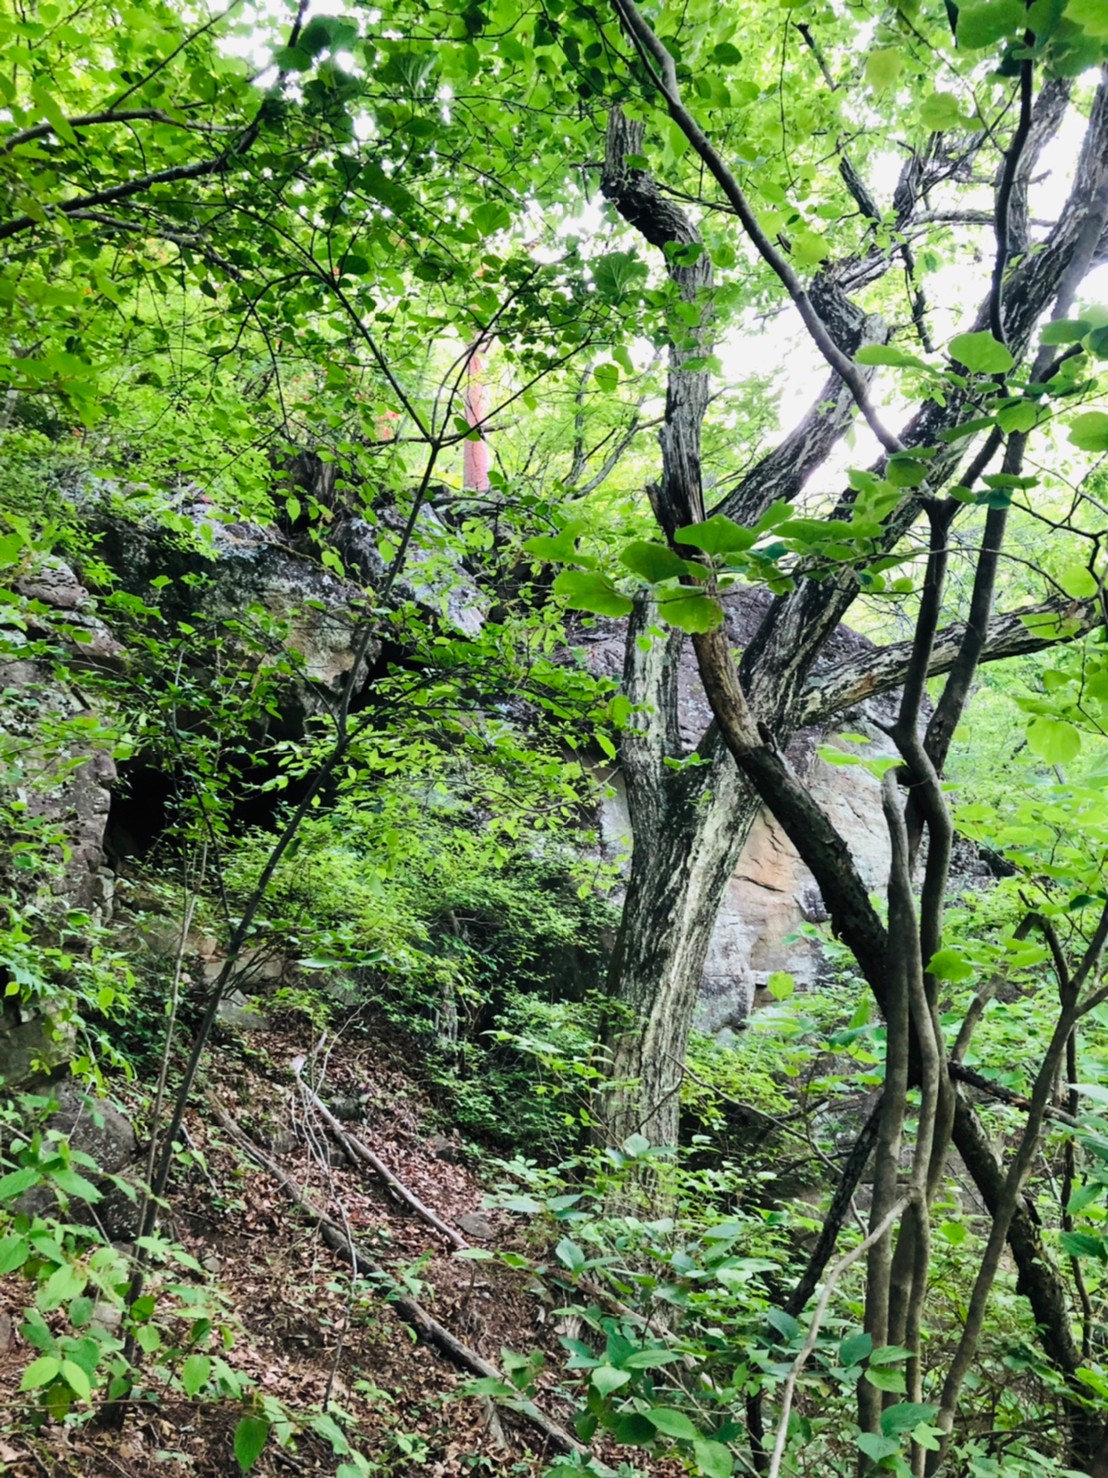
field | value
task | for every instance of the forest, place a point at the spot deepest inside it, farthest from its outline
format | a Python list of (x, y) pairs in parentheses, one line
[(554, 738)]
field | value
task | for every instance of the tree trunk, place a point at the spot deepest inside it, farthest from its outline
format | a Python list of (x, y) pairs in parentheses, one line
[(673, 897)]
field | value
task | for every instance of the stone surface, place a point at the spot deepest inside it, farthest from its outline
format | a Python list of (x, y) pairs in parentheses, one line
[(474, 1225), (29, 1046)]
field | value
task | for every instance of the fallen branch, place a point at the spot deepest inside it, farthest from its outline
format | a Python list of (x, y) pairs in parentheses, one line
[(412, 1312), (356, 1150)]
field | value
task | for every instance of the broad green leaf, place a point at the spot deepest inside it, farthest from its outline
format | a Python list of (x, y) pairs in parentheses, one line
[(606, 1379), (64, 1283), (14, 1251), (570, 1254), (941, 110), (1054, 740), (690, 611), (883, 67), (876, 1448), (889, 354), (654, 562), (583, 590), (1090, 15), (53, 113), (1081, 1244), (1077, 580), (250, 1437), (886, 1379), (780, 985), (981, 353), (194, 1373), (726, 54), (672, 1423), (784, 1323), (76, 1379), (17, 1181), (1089, 431), (905, 1416), (491, 216), (713, 1459), (40, 1373), (717, 535), (650, 1359), (1065, 331), (855, 1348), (949, 964), (67, 1180), (561, 547), (983, 23)]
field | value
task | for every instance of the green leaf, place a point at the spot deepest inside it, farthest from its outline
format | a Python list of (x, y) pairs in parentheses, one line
[(650, 1359), (726, 54), (713, 1459), (76, 1379), (250, 1437), (889, 354), (1065, 330), (1089, 432), (292, 59), (73, 1184), (570, 1254), (584, 591), (941, 110), (654, 562), (905, 472), (855, 1348), (14, 1251), (883, 67), (606, 1379), (1090, 15), (672, 1423), (194, 1373), (780, 985), (905, 1416), (784, 1323), (561, 547), (1053, 740), (949, 964), (981, 353), (690, 611), (1079, 581), (40, 1373), (17, 1181), (64, 1283), (876, 1448), (53, 113), (886, 1379), (1081, 1244), (717, 535), (983, 23)]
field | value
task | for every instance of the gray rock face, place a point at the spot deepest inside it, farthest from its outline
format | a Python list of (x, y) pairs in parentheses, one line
[(67, 793)]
